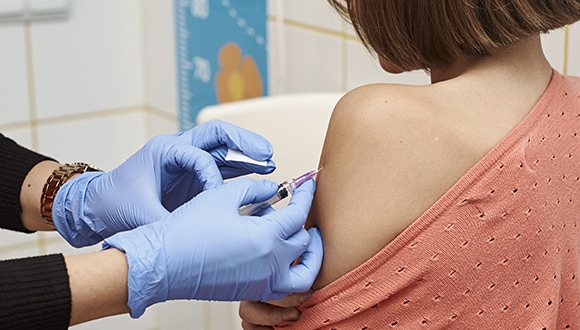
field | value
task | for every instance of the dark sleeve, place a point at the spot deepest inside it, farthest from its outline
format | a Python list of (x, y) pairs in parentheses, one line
[(34, 293), (15, 162)]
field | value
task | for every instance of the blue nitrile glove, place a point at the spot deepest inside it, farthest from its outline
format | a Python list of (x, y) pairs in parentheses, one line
[(206, 250), (168, 171)]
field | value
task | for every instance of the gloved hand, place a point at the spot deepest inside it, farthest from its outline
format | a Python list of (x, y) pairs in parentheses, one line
[(206, 250), (168, 171)]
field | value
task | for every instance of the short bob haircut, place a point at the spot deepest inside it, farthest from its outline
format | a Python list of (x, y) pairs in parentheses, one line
[(425, 34)]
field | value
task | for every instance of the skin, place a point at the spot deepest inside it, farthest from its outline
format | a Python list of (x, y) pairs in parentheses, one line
[(30, 193), (429, 137), (261, 315), (98, 284), (98, 281)]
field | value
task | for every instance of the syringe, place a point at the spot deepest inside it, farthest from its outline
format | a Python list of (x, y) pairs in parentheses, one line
[(285, 189)]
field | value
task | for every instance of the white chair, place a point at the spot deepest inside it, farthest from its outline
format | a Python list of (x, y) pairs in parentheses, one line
[(295, 124)]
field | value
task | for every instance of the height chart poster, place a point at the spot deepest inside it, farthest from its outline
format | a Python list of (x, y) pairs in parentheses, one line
[(221, 53)]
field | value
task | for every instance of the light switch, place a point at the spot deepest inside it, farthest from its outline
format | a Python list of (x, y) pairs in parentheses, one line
[(12, 8), (47, 7)]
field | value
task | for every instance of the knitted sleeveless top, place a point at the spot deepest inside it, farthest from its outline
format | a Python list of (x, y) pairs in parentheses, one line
[(499, 250)]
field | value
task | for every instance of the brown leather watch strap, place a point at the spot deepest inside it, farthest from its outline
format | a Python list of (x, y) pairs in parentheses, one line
[(58, 178)]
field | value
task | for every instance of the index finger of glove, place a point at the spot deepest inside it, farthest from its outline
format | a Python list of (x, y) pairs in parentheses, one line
[(216, 133), (196, 160), (233, 167), (291, 218), (244, 191)]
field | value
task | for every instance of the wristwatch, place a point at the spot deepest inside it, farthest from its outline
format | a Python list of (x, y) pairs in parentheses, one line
[(58, 178)]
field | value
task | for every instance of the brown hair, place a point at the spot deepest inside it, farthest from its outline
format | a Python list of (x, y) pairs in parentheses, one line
[(425, 34)]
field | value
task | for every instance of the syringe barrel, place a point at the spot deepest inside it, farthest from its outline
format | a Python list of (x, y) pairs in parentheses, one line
[(285, 189)]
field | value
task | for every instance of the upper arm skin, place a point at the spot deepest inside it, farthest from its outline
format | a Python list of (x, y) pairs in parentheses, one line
[(386, 159)]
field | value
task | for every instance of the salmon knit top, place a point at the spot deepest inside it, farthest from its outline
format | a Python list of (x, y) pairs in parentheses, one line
[(499, 250)]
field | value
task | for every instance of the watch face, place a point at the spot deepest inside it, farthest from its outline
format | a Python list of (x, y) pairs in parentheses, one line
[(87, 167)]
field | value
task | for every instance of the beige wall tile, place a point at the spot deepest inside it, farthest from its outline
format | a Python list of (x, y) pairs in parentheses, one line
[(573, 58), (313, 61), (316, 13), (90, 61), (160, 66), (105, 141), (13, 75)]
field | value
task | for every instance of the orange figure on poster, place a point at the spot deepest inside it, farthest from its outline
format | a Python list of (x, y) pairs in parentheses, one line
[(239, 77)]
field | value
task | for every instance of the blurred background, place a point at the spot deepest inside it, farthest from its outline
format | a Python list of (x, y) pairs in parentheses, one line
[(93, 80)]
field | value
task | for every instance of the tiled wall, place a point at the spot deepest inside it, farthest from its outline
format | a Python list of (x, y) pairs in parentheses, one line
[(77, 89), (95, 86), (314, 34)]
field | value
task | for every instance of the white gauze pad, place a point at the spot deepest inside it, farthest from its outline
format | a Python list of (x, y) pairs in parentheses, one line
[(238, 156)]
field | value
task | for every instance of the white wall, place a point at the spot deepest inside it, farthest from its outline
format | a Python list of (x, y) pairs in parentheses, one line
[(95, 86)]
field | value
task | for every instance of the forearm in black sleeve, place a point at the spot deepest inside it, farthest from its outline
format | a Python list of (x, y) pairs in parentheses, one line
[(15, 162), (34, 293)]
